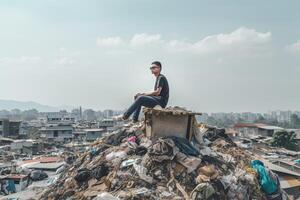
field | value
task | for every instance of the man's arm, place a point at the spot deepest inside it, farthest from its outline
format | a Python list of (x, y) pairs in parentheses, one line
[(160, 85), (153, 93)]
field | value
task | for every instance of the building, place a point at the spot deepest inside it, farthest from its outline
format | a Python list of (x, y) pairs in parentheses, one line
[(4, 127), (14, 128), (58, 117), (57, 133), (28, 147), (24, 129), (43, 163), (93, 134), (108, 113), (17, 182), (9, 128), (255, 129), (79, 135), (107, 124)]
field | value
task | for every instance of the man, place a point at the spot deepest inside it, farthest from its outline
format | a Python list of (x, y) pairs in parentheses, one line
[(159, 96)]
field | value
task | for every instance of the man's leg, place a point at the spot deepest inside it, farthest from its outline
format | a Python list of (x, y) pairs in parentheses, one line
[(147, 101)]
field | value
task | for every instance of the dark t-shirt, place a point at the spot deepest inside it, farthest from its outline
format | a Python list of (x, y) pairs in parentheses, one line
[(161, 81)]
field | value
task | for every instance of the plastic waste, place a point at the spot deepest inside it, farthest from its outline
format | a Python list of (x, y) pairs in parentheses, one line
[(142, 172), (127, 163), (105, 196), (118, 154), (61, 169), (132, 139)]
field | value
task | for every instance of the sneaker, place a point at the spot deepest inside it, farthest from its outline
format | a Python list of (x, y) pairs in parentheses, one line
[(120, 118)]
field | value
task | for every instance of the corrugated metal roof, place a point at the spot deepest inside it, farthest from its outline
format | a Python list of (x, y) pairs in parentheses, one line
[(278, 168), (49, 166), (267, 127), (94, 129), (289, 181), (248, 125), (257, 125)]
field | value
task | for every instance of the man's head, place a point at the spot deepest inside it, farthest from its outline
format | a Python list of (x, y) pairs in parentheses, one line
[(155, 67)]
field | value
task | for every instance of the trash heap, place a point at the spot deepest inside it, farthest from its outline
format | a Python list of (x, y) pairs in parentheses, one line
[(128, 165)]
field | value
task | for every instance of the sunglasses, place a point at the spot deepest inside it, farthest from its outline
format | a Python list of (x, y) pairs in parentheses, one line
[(153, 67)]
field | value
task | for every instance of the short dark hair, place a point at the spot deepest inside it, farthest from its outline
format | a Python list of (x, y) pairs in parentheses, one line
[(157, 63)]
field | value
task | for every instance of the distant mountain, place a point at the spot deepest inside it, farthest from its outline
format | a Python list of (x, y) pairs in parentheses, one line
[(25, 105)]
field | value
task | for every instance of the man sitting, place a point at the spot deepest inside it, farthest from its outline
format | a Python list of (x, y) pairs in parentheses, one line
[(159, 96)]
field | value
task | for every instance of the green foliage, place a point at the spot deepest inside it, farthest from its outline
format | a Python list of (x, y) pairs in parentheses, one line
[(284, 139)]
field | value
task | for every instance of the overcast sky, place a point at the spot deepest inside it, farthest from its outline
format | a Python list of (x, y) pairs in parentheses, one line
[(217, 55)]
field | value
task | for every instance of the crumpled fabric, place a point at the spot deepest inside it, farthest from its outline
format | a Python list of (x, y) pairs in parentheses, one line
[(239, 192), (203, 191), (162, 149), (100, 171), (82, 175), (116, 139), (190, 162), (267, 179), (278, 194), (142, 172), (132, 139), (213, 133), (185, 146), (207, 173), (141, 150)]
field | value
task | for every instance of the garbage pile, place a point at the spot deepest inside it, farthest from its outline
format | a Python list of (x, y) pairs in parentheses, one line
[(128, 165)]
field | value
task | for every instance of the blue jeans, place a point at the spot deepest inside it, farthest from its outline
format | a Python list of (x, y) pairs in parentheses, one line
[(147, 101)]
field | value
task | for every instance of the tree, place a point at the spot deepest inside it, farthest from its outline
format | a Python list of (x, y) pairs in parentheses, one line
[(284, 139)]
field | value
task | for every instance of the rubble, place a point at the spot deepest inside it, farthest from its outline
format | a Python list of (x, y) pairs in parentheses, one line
[(128, 165)]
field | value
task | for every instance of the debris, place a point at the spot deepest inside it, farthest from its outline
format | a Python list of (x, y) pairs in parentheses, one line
[(105, 196), (267, 179), (185, 146), (38, 175), (82, 175), (128, 165), (100, 171), (141, 150), (113, 155), (142, 172), (203, 191)]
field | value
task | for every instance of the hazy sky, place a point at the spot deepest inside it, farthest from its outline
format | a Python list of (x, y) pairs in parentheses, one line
[(217, 55)]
